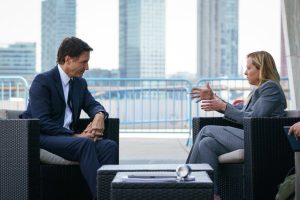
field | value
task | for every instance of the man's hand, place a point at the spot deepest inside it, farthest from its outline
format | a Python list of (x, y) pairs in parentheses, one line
[(87, 132), (295, 129), (95, 129), (202, 93), (97, 126)]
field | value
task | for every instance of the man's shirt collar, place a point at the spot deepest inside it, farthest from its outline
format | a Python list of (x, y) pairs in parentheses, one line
[(63, 76)]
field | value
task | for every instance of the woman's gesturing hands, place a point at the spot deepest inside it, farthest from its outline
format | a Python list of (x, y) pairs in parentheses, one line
[(295, 129), (214, 104), (202, 93), (210, 102)]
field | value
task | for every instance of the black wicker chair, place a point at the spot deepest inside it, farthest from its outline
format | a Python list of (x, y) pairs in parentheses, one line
[(22, 174), (267, 158)]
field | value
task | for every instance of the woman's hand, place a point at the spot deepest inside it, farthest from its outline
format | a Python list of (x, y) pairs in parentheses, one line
[(215, 104), (295, 129), (202, 93)]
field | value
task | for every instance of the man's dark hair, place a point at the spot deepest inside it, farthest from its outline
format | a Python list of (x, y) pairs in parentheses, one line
[(73, 47)]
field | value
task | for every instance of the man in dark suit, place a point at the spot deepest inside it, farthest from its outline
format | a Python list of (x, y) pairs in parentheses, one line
[(56, 97)]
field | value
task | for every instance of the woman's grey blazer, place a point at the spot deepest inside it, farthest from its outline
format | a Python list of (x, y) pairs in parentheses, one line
[(268, 100)]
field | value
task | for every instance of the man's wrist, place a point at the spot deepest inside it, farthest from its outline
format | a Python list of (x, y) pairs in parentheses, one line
[(101, 114)]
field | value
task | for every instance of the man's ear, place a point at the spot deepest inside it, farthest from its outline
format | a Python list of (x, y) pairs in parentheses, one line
[(68, 59)]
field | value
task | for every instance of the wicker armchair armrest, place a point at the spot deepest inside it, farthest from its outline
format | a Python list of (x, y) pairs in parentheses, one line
[(112, 129), (200, 122), (268, 155), (19, 158)]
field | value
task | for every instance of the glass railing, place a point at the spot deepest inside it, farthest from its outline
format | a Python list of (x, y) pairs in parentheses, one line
[(13, 92), (143, 105)]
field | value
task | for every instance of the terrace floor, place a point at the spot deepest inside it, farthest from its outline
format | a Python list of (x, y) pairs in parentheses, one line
[(153, 148)]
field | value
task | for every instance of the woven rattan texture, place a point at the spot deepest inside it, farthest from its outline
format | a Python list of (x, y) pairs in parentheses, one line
[(19, 159), (268, 157), (161, 194), (21, 174), (106, 174), (63, 182), (201, 188)]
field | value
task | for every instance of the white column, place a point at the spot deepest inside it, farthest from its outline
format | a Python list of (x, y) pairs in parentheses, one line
[(291, 29)]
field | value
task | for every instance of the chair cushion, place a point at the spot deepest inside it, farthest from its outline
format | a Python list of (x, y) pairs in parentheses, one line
[(10, 114), (50, 158), (45, 156), (293, 113), (236, 156), (3, 114)]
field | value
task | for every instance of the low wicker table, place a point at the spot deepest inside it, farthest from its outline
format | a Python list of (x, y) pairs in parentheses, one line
[(201, 188), (106, 174)]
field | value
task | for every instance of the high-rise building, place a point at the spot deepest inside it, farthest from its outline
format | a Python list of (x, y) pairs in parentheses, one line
[(283, 60), (142, 38), (58, 22), (18, 59), (217, 38)]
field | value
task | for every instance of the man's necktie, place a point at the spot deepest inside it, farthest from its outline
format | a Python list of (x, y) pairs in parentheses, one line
[(70, 95), (70, 102)]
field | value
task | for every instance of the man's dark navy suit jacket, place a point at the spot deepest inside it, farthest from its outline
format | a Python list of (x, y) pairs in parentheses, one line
[(47, 102)]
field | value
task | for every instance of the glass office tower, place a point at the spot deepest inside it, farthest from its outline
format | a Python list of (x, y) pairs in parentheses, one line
[(58, 22), (142, 38), (217, 38)]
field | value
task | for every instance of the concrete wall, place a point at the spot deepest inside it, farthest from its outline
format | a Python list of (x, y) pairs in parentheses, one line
[(291, 29)]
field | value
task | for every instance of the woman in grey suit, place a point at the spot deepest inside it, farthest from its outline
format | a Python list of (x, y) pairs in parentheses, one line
[(267, 100)]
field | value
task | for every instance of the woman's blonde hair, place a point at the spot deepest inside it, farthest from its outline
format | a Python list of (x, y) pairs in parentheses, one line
[(264, 61)]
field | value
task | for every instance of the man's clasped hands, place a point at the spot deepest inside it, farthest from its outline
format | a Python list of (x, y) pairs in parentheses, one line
[(95, 129)]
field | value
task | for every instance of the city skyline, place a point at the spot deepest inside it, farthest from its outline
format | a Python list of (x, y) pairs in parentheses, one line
[(18, 59), (259, 28)]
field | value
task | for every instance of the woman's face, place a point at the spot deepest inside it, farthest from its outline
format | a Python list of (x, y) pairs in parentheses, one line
[(252, 72)]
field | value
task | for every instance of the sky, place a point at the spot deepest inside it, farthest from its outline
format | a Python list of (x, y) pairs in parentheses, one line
[(97, 24)]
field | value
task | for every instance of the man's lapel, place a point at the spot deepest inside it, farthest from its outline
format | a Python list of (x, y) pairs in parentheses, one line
[(58, 83)]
